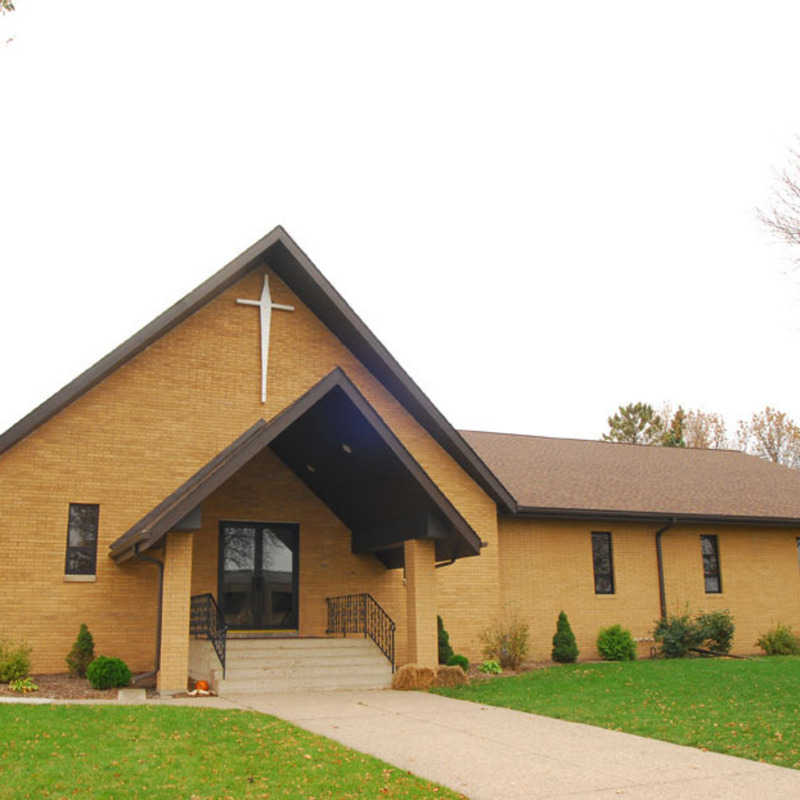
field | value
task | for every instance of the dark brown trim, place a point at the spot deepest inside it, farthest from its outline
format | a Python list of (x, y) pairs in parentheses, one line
[(156, 523), (533, 512), (278, 251)]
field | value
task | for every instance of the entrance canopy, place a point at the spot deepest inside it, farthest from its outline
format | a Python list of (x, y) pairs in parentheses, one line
[(340, 447)]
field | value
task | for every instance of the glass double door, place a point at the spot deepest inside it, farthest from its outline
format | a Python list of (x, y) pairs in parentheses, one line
[(258, 575)]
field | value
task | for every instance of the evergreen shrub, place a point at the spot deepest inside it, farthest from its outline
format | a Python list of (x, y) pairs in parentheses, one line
[(717, 628), (565, 648), (677, 634), (457, 660), (445, 650), (616, 644), (82, 653), (105, 673)]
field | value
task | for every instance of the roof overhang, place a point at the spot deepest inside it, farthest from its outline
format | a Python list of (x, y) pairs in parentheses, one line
[(658, 517), (346, 454), (278, 251)]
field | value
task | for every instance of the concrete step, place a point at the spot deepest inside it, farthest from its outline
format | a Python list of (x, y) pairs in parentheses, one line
[(285, 665)]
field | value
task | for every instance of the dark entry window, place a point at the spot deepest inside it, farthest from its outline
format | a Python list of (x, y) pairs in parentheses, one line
[(258, 575), (82, 539), (711, 570), (603, 563)]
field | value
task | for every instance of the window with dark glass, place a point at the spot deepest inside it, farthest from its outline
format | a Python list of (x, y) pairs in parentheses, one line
[(603, 563), (82, 539), (711, 571)]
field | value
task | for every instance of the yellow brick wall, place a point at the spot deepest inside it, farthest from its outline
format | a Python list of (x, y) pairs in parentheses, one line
[(546, 566), (145, 429)]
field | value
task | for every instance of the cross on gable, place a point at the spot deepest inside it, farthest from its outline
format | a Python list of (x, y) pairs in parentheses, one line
[(265, 306)]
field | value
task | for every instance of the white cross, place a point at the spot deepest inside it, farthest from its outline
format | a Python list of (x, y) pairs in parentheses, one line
[(265, 306)]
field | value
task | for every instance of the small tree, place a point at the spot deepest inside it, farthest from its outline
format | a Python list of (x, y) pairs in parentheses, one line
[(445, 650), (636, 423), (565, 648), (82, 653)]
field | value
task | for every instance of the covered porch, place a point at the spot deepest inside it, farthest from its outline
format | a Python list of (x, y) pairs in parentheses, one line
[(318, 524)]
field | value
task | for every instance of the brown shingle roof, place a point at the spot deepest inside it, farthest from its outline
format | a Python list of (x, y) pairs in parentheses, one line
[(583, 475)]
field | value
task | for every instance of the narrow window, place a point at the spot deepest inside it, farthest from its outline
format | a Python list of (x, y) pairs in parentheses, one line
[(82, 539), (603, 563), (711, 564), (798, 550)]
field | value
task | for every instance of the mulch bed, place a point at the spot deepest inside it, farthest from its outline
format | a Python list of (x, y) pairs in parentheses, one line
[(65, 687)]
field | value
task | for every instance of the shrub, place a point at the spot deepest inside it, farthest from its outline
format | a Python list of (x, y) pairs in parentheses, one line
[(15, 660), (565, 648), (450, 676), (445, 650), (458, 661), (616, 644), (82, 653), (717, 630), (23, 686), (677, 635), (506, 641), (780, 641), (104, 673), (410, 676), (490, 668)]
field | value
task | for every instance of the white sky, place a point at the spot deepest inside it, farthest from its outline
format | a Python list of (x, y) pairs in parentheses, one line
[(543, 210)]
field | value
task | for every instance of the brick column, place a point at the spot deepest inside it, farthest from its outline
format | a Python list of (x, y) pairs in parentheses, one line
[(175, 613), (420, 556)]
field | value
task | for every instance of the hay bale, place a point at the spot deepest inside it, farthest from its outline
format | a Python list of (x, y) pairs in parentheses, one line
[(450, 676), (411, 676)]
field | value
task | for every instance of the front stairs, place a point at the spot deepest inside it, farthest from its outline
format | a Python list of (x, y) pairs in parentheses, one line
[(293, 665)]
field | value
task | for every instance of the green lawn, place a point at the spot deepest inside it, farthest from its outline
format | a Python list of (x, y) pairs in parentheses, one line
[(743, 708), (143, 751)]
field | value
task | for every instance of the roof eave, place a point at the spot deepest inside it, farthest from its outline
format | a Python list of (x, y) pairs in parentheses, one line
[(619, 515)]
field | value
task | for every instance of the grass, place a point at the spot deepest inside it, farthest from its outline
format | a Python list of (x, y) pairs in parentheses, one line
[(743, 708), (141, 751)]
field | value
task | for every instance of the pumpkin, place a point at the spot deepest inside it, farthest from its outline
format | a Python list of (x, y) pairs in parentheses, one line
[(201, 686)]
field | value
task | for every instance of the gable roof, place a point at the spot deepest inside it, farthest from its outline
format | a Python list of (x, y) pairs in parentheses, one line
[(161, 519), (281, 254), (582, 478)]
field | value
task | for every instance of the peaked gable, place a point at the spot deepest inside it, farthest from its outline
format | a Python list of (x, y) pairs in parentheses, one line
[(281, 254)]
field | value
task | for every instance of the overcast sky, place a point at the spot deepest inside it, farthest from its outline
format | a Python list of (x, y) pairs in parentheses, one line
[(543, 210)]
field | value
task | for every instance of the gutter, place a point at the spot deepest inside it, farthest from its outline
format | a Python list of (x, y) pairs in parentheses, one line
[(160, 564), (662, 595)]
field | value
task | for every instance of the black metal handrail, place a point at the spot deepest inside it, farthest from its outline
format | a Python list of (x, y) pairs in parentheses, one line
[(206, 621), (362, 613)]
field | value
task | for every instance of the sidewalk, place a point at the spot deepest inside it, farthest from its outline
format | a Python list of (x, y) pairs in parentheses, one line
[(492, 753)]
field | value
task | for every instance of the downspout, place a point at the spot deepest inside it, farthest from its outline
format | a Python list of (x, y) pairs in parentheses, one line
[(160, 565), (662, 595)]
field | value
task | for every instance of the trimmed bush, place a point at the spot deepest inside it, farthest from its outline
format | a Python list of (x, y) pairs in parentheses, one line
[(15, 660), (565, 648), (105, 673), (82, 653), (490, 668), (677, 635), (458, 661), (717, 630), (616, 644), (445, 650), (506, 641), (780, 641)]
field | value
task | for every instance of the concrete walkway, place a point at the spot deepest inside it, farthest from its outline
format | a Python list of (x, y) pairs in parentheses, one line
[(491, 753)]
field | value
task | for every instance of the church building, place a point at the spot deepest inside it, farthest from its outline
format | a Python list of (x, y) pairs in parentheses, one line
[(251, 489)]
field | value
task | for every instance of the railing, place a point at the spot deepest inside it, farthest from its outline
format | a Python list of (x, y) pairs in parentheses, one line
[(361, 613), (206, 621)]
